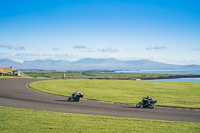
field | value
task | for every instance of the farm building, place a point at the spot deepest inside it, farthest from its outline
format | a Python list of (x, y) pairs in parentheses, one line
[(9, 72)]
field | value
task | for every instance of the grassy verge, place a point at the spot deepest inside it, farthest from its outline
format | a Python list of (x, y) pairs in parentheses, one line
[(8, 77), (174, 94), (14, 120)]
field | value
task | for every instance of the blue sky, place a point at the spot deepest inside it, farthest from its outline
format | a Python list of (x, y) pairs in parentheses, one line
[(167, 31)]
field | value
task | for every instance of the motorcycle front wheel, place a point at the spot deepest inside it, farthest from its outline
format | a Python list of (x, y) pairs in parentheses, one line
[(138, 105), (69, 99)]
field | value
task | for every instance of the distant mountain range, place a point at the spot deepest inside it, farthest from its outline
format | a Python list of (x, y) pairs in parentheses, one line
[(92, 64)]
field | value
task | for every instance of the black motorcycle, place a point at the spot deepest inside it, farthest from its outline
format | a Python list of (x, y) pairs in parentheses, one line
[(146, 104), (76, 98)]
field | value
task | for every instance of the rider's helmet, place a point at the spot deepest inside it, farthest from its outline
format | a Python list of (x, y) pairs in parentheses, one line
[(79, 92), (148, 97)]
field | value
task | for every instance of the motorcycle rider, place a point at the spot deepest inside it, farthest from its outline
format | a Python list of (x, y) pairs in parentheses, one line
[(147, 100), (75, 94)]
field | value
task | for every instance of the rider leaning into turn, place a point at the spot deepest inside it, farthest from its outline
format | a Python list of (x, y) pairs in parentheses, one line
[(148, 99), (76, 93)]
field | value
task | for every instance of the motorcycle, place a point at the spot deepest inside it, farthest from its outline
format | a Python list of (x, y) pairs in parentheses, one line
[(75, 98), (146, 104)]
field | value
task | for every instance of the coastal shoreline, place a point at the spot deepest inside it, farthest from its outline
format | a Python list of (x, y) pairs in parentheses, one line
[(165, 76)]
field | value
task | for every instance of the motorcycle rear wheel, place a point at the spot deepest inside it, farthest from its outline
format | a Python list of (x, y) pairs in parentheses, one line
[(151, 106)]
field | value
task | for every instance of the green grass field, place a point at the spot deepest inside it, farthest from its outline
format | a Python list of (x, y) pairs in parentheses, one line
[(91, 75), (173, 94), (13, 120), (82, 75)]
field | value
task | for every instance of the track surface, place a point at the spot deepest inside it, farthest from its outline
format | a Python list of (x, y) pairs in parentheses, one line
[(14, 93)]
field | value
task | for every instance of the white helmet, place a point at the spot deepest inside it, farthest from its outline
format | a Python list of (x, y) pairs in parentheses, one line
[(79, 92)]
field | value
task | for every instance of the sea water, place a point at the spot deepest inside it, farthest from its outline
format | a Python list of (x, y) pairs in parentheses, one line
[(180, 80), (196, 71)]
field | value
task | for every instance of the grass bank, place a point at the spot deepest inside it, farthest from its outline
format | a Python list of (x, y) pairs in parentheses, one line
[(173, 94), (9, 77), (14, 120)]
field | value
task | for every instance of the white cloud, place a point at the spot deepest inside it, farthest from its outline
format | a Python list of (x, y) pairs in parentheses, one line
[(19, 48), (35, 56), (10, 47), (156, 48), (196, 49), (32, 56), (111, 49), (3, 54), (79, 46), (6, 46), (60, 55), (55, 49)]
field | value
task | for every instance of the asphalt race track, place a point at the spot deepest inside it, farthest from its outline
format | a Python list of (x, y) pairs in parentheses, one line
[(14, 93)]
